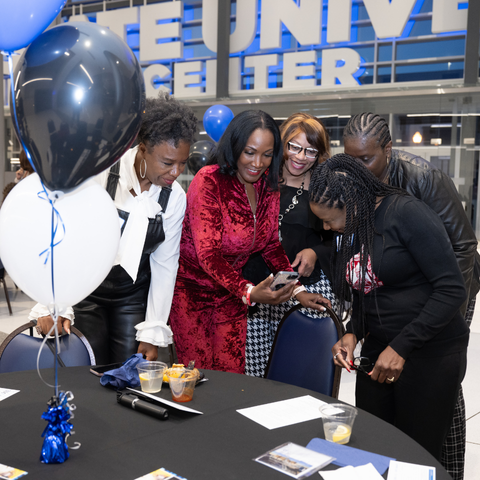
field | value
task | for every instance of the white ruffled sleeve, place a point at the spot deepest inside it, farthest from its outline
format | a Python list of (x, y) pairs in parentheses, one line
[(40, 310), (164, 265)]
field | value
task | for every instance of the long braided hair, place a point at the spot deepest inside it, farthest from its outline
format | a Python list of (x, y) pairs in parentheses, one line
[(369, 125), (343, 182)]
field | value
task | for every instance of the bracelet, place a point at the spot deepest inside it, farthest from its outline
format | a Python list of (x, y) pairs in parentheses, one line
[(298, 290), (249, 291), (246, 297)]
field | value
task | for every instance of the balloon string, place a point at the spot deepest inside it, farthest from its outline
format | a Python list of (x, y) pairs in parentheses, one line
[(57, 225), (38, 358)]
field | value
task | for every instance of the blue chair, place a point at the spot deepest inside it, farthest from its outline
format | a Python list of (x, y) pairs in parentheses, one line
[(19, 351), (301, 354)]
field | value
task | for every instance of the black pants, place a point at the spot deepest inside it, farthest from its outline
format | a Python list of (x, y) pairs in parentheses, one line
[(421, 402), (109, 324)]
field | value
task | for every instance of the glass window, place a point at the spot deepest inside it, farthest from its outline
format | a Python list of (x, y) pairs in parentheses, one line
[(362, 33), (367, 53), (384, 74), (438, 48), (385, 52), (426, 7), (192, 33), (420, 27), (428, 71)]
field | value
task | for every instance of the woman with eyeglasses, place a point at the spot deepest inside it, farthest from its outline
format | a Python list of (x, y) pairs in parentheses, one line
[(232, 209), (305, 144), (395, 262)]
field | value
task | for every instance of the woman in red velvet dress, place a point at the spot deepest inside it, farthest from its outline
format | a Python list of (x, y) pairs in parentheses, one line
[(232, 212)]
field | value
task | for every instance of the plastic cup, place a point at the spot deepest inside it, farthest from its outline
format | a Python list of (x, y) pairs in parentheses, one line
[(151, 376), (338, 421), (182, 384)]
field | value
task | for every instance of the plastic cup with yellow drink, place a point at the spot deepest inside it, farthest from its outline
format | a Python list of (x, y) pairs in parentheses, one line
[(151, 376), (338, 421)]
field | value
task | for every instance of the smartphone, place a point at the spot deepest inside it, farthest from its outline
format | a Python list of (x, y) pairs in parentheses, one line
[(99, 370), (283, 278)]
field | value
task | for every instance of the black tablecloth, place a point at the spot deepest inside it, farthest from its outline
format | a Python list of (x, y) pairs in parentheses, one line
[(123, 444)]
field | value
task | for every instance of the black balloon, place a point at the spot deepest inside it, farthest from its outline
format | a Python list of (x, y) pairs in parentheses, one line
[(79, 95), (198, 157)]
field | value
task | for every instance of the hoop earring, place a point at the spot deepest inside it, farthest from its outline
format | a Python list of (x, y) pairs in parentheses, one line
[(145, 172)]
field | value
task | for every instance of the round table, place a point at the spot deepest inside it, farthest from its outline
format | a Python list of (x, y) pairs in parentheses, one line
[(117, 442)]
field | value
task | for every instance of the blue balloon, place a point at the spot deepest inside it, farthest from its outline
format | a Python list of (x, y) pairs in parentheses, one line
[(79, 95), (216, 120), (21, 21)]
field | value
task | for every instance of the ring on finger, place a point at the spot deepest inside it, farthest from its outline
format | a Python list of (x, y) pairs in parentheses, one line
[(39, 329), (390, 379), (336, 355)]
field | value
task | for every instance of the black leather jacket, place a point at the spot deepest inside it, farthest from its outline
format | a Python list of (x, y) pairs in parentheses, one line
[(436, 189)]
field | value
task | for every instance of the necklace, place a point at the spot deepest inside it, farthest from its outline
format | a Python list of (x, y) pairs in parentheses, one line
[(291, 206)]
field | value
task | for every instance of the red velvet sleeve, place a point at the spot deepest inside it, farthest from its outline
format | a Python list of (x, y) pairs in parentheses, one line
[(206, 222)]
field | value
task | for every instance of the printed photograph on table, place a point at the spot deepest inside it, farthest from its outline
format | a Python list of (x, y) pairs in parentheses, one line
[(10, 473), (161, 474), (294, 460)]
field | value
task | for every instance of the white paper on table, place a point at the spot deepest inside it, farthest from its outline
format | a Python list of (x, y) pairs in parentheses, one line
[(344, 473), (7, 392), (176, 405), (286, 412), (412, 471), (362, 472)]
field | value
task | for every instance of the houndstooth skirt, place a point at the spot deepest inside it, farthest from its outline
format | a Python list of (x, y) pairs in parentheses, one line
[(263, 323)]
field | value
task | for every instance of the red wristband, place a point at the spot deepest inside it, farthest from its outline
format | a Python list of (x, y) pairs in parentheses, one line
[(249, 291)]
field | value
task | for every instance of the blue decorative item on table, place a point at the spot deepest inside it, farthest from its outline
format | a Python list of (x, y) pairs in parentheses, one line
[(216, 120), (55, 448)]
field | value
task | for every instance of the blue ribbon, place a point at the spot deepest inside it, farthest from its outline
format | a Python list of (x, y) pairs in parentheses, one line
[(56, 223)]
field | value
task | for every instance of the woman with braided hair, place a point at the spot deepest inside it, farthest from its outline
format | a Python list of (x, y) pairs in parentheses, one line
[(394, 261), (367, 138)]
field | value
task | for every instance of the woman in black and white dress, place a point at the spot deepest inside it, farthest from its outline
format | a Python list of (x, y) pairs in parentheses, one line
[(307, 245)]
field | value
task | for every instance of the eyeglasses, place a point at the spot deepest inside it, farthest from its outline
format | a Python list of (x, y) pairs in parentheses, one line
[(297, 149), (362, 364)]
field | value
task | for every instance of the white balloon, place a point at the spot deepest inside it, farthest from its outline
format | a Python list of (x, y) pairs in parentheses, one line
[(85, 252)]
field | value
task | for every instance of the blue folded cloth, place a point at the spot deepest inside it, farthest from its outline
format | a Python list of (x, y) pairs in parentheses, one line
[(124, 376), (345, 455)]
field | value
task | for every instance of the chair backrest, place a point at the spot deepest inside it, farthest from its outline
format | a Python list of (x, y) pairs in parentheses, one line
[(301, 354), (19, 351)]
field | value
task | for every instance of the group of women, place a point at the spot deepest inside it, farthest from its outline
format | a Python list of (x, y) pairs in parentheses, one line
[(376, 228)]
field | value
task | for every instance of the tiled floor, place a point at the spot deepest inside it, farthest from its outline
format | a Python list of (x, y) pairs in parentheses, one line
[(21, 305)]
